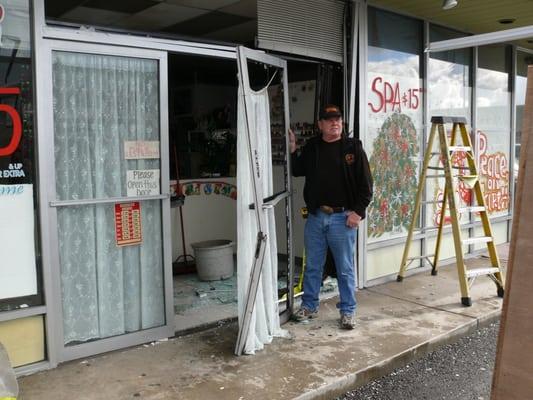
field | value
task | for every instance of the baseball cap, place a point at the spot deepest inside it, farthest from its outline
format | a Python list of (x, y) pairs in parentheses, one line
[(330, 111)]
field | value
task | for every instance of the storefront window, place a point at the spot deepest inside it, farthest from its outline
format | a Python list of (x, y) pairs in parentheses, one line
[(20, 282), (493, 102), (449, 94), (395, 120), (523, 60)]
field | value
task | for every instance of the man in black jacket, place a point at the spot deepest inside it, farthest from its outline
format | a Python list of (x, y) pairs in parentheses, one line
[(338, 188)]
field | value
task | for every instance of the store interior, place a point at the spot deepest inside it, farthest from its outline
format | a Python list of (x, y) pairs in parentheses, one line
[(202, 93), (202, 139), (203, 164)]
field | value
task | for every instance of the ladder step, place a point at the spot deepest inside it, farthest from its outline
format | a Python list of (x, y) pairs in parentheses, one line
[(469, 180), (481, 271), (429, 229), (460, 148), (436, 176), (472, 209), (421, 257), (479, 239), (436, 168)]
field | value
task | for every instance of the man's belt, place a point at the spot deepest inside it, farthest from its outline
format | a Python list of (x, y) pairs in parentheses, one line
[(331, 210)]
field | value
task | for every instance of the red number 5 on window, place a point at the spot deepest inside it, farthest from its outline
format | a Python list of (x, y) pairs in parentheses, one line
[(16, 134)]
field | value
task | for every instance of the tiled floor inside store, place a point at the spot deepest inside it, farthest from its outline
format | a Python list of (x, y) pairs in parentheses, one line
[(198, 303)]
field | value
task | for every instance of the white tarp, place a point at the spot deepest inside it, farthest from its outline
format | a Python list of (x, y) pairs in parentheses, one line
[(265, 322)]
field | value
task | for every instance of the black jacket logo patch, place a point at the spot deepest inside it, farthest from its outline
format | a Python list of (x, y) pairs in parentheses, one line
[(350, 158)]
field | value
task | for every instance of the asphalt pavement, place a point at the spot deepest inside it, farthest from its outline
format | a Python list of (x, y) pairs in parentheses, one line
[(458, 371)]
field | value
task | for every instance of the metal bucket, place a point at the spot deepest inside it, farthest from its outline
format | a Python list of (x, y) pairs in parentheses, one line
[(214, 259)]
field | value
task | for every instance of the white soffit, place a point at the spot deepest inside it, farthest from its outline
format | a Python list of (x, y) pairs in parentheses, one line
[(482, 39), (160, 16)]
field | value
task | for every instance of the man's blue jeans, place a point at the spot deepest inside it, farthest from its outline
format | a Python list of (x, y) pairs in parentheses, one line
[(323, 230)]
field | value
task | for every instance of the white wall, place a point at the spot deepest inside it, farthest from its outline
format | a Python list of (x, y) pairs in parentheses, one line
[(214, 216), (205, 217)]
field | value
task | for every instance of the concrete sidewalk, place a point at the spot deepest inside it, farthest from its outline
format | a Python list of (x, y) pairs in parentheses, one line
[(397, 322)]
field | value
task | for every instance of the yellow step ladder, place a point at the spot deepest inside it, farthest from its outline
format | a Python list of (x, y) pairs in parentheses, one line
[(470, 180)]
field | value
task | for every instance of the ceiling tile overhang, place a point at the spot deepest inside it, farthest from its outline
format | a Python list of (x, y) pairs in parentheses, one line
[(220, 20), (236, 20)]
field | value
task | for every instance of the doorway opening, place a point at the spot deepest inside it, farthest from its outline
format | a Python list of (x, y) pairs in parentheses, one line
[(202, 139), (203, 96)]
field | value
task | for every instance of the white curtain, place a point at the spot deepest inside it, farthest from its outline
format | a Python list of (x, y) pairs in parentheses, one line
[(100, 102), (265, 318)]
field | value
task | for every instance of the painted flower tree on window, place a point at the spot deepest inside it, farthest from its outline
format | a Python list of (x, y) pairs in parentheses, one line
[(395, 176)]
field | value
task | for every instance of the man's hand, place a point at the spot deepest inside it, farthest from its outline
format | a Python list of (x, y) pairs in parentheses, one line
[(352, 219), (292, 141)]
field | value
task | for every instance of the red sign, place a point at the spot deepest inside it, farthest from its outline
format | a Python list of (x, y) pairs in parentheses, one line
[(128, 223), (16, 134)]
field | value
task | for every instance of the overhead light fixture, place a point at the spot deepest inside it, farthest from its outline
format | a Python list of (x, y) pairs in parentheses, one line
[(448, 4), (506, 21)]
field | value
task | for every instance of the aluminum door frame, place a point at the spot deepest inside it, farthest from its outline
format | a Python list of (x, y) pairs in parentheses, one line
[(243, 55), (57, 351)]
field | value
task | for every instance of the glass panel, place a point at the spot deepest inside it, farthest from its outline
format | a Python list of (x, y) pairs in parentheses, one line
[(494, 126), (522, 62), (395, 120), (106, 121), (20, 268), (449, 94), (109, 290)]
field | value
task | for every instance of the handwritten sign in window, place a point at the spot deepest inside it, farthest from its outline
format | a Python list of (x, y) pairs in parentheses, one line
[(141, 149), (143, 182), (389, 96)]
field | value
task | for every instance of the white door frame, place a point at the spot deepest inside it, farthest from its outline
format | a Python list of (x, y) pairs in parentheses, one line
[(245, 54)]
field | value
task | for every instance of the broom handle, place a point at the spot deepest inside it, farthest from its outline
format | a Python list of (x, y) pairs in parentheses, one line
[(179, 194)]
